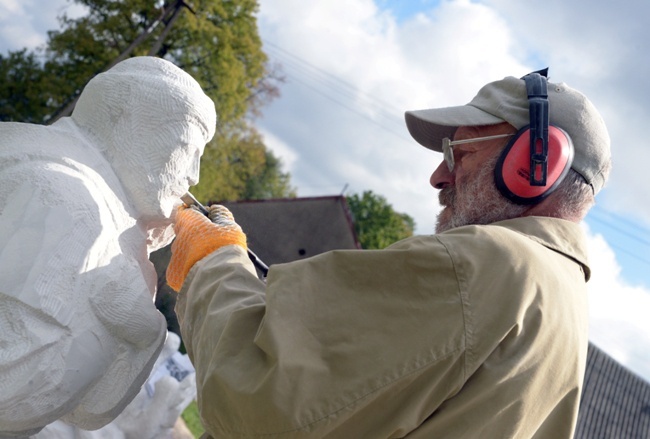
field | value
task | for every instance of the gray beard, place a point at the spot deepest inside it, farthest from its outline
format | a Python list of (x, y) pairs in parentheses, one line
[(476, 202)]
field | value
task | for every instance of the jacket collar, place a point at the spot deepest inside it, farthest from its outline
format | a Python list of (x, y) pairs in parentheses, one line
[(562, 236)]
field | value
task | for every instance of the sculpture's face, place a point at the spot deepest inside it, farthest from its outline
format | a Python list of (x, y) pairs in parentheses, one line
[(160, 167), (151, 121)]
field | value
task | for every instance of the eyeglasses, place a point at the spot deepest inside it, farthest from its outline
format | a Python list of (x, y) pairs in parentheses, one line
[(448, 151)]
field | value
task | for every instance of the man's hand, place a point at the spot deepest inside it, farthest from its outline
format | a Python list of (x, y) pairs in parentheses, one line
[(197, 236)]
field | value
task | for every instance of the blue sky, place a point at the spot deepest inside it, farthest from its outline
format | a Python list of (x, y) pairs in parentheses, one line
[(405, 9), (353, 67), (629, 238)]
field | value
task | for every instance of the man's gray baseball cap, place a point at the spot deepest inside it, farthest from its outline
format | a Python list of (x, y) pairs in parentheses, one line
[(507, 101)]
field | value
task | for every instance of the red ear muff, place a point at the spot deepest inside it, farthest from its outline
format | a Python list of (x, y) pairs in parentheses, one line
[(512, 171)]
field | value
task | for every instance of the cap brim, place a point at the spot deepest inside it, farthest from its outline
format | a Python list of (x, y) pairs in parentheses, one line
[(429, 127)]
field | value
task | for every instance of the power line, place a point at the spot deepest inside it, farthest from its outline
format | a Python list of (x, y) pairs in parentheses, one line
[(629, 253), (307, 74), (377, 102), (605, 218), (620, 230), (315, 79), (365, 116), (620, 219), (304, 73)]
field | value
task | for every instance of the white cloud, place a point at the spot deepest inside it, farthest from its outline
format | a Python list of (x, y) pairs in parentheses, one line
[(25, 23), (15, 30), (618, 312), (455, 49), (280, 149)]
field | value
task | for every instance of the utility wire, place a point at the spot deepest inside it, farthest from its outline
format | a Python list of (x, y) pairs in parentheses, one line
[(620, 219), (315, 79), (365, 116), (629, 253), (354, 89), (610, 220), (620, 230), (306, 74)]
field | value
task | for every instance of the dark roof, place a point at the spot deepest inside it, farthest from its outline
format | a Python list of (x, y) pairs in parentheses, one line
[(615, 402), (285, 230), (281, 230)]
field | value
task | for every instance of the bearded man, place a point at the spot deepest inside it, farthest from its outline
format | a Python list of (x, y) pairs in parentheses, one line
[(477, 331)]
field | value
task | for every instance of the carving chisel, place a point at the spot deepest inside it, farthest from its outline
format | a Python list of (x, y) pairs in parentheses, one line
[(190, 200)]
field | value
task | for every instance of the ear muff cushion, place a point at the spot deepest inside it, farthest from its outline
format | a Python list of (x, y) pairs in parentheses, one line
[(512, 171)]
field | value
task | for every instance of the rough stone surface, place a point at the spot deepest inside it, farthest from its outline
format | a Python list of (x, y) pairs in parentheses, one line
[(154, 413), (82, 204)]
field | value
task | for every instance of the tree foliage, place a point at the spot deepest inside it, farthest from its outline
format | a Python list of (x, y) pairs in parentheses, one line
[(25, 88), (216, 41), (241, 168), (376, 224)]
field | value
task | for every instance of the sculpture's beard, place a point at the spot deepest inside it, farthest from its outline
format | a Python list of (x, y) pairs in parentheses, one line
[(159, 237), (475, 200)]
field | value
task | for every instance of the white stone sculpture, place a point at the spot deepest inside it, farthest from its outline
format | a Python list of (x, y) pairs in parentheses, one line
[(82, 204), (154, 412)]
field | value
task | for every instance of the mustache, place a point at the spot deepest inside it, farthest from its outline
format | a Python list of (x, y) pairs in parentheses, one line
[(447, 196)]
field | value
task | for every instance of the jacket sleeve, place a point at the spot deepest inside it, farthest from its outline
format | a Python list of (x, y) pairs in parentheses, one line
[(368, 343)]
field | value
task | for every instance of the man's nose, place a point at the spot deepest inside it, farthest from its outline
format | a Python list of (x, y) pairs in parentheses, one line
[(441, 177)]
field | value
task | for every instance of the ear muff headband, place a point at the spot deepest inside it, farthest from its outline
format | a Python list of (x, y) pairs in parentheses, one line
[(537, 90), (536, 160)]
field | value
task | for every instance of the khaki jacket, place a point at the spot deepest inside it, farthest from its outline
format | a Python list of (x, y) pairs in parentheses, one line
[(478, 332)]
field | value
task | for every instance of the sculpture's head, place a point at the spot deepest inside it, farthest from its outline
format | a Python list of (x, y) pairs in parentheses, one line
[(151, 121)]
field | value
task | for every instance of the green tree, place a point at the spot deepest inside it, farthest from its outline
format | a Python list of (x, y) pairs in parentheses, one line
[(216, 41), (24, 89), (376, 224)]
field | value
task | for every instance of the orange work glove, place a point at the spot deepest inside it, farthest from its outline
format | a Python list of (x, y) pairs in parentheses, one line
[(197, 236)]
